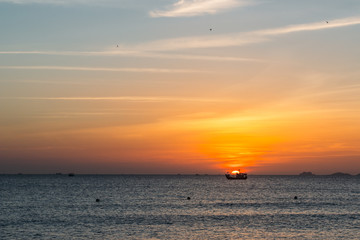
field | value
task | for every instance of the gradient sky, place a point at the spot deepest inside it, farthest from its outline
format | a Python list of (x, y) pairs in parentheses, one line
[(138, 86)]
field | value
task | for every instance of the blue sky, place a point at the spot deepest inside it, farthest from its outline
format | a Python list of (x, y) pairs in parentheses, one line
[(56, 24)]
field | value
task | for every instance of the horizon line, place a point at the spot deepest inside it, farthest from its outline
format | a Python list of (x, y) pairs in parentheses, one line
[(177, 174)]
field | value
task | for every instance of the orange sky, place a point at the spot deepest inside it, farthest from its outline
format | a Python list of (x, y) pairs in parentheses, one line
[(266, 141), (164, 94)]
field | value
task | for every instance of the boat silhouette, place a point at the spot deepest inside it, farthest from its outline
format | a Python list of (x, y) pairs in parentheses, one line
[(236, 175)]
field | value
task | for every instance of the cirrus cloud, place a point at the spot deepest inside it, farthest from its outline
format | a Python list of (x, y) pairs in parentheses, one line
[(103, 69), (242, 38), (188, 8), (70, 2)]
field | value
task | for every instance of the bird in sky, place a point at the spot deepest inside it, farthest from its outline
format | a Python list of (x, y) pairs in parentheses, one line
[(210, 29), (326, 21)]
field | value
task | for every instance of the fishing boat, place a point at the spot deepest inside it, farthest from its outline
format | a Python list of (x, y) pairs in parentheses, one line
[(236, 175)]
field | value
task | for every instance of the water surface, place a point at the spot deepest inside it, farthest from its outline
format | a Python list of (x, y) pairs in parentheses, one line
[(156, 207)]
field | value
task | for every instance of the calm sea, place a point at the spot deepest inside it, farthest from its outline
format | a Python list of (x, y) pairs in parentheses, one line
[(157, 207)]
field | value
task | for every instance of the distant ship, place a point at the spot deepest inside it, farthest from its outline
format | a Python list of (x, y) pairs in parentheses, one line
[(236, 175)]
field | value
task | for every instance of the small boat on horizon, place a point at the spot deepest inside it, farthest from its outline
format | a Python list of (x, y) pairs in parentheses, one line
[(236, 175)]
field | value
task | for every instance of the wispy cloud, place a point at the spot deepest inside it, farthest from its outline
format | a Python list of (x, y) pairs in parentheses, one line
[(121, 53), (228, 40), (187, 8), (240, 39), (57, 115), (59, 2), (75, 53), (66, 68), (156, 48), (122, 98), (67, 2), (45, 82), (336, 23)]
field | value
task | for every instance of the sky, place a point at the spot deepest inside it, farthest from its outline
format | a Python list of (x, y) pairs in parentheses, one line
[(179, 86)]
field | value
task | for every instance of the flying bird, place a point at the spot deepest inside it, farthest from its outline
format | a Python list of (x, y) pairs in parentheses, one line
[(210, 29), (326, 21), (117, 45)]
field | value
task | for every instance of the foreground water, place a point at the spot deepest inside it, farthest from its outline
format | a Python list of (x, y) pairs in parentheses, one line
[(156, 207)]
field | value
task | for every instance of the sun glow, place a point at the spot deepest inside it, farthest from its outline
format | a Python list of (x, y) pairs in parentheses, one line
[(235, 143)]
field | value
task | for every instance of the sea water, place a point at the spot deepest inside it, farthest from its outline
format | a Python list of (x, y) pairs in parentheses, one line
[(157, 207)]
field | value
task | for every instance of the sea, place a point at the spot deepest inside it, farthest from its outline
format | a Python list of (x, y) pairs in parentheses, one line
[(179, 207)]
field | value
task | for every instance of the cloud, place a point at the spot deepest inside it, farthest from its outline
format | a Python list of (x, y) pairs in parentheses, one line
[(215, 41), (66, 2), (46, 82), (66, 68), (336, 23), (143, 54), (188, 8), (57, 2), (122, 98), (156, 48), (239, 39)]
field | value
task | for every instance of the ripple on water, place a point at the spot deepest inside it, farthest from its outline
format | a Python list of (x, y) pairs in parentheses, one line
[(156, 207)]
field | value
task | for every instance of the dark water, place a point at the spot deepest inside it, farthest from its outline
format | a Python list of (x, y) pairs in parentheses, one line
[(156, 207)]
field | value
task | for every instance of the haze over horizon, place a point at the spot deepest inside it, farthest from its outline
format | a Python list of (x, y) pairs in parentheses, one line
[(181, 86)]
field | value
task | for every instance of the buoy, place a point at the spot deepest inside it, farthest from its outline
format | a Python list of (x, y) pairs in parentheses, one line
[(188, 198), (295, 197), (97, 200)]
